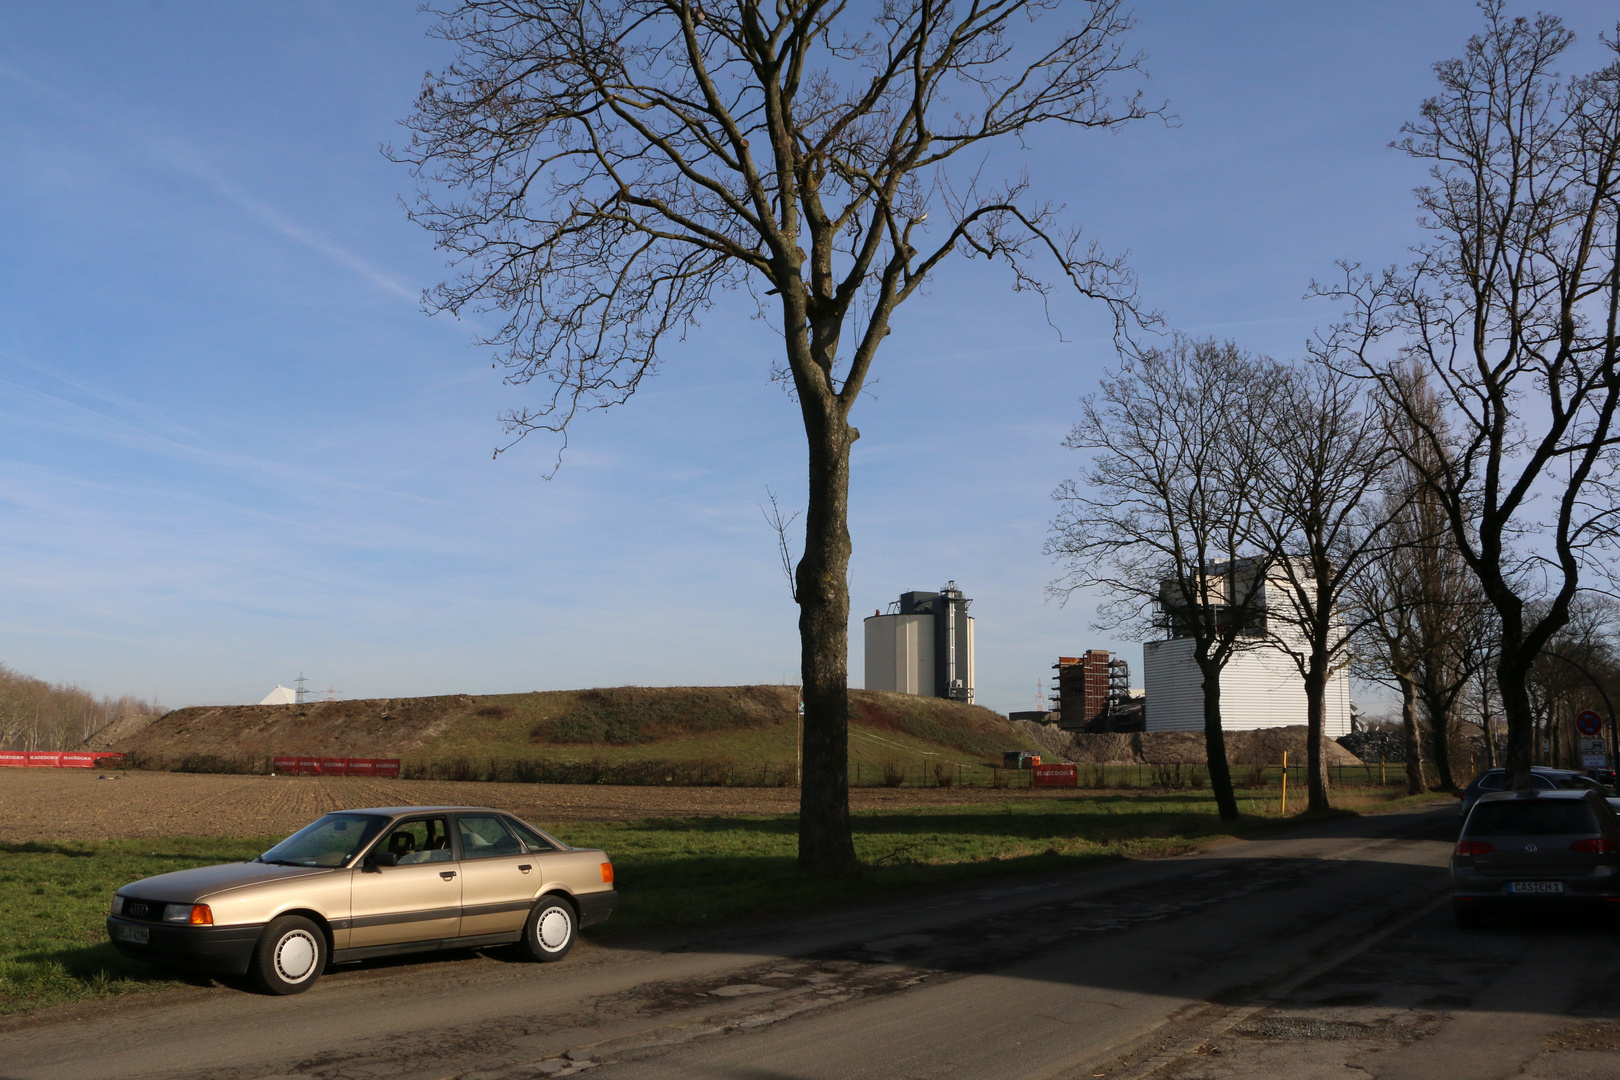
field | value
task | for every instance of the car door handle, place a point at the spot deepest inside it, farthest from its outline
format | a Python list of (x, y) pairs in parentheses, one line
[(448, 875), (526, 867)]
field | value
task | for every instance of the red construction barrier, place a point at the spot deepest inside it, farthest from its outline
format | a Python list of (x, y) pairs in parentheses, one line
[(1056, 776), (54, 759), (314, 766)]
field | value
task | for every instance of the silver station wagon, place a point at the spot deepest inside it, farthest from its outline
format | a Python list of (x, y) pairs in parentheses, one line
[(362, 883)]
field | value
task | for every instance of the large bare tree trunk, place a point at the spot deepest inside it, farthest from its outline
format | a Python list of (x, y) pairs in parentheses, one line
[(1439, 715), (1316, 780), (1512, 682), (822, 579), (1220, 772), (1409, 730)]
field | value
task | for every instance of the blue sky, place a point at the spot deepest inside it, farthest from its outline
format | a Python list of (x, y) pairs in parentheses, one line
[(233, 448)]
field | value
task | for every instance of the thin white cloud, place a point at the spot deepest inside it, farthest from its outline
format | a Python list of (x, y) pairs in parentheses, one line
[(181, 157), (54, 412)]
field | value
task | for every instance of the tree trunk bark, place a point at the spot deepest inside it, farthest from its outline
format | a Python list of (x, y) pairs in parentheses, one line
[(1316, 781), (822, 583), (1220, 773), (1439, 735), (1512, 683), (1410, 735), (1409, 729)]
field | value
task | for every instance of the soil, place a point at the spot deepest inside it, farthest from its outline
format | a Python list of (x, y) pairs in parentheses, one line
[(76, 804), (1263, 746)]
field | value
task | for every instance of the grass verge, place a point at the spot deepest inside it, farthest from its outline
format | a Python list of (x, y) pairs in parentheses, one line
[(671, 872)]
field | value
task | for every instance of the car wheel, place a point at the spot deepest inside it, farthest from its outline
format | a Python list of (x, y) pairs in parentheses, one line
[(290, 956), (549, 933), (1469, 918)]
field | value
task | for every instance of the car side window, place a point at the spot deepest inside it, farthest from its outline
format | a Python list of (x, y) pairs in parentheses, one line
[(484, 836), (1492, 782), (422, 840), (532, 840), (1541, 783)]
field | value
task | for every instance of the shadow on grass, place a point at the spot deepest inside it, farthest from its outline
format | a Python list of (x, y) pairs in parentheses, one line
[(87, 961), (225, 851), (35, 847)]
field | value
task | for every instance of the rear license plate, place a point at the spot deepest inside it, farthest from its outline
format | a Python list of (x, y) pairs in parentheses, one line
[(140, 935), (1536, 887)]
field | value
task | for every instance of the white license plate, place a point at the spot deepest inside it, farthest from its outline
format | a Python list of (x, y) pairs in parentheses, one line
[(140, 935), (1536, 887)]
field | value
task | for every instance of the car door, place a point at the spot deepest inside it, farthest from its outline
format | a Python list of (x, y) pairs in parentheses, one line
[(500, 877), (419, 899)]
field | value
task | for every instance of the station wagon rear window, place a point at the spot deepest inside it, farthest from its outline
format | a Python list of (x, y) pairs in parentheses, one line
[(1532, 817), (329, 841)]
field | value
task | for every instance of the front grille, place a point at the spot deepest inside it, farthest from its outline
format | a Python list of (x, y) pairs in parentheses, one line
[(144, 910)]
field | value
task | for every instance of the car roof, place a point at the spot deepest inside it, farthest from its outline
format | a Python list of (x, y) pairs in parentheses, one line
[(1509, 796), (1543, 769), (397, 811)]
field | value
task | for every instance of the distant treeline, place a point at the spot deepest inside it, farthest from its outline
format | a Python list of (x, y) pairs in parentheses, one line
[(37, 715)]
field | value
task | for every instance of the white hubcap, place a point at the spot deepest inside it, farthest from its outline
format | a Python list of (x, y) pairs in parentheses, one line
[(553, 930), (295, 956)]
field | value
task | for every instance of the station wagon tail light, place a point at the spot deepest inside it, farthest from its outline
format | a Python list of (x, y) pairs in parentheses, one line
[(195, 914), (607, 873), (1600, 846), (1474, 847)]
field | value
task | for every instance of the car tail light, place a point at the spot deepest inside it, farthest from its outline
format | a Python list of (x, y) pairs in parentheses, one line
[(1600, 846), (607, 873), (1474, 847)]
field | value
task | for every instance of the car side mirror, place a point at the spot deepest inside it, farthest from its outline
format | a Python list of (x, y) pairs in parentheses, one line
[(381, 858)]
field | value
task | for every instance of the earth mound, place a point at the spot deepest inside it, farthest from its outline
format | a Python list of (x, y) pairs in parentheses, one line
[(1262, 746)]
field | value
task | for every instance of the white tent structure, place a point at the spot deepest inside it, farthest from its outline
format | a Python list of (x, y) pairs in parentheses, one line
[(281, 695)]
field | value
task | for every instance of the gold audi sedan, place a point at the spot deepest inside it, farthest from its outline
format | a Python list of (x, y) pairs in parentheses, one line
[(362, 883)]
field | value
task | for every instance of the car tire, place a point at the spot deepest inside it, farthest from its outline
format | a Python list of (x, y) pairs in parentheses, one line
[(1468, 918), (549, 933), (290, 956)]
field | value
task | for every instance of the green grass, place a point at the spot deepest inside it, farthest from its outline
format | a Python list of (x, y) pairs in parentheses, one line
[(53, 938), (670, 872)]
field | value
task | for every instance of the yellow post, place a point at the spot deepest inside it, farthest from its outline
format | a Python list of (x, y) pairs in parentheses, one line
[(1285, 784), (1383, 777)]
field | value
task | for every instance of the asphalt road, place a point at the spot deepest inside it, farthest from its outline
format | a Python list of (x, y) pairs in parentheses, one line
[(1295, 956)]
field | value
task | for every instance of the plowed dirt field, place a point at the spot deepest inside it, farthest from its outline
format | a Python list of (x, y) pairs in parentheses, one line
[(75, 804)]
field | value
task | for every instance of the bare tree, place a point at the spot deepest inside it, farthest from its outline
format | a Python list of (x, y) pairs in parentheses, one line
[(1384, 606), (602, 172), (37, 715), (1322, 462), (1428, 620), (1162, 517), (1511, 309), (1577, 670)]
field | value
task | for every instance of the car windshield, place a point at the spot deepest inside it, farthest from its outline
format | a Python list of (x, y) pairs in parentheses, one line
[(1531, 817), (331, 841)]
